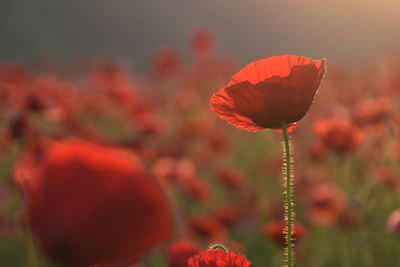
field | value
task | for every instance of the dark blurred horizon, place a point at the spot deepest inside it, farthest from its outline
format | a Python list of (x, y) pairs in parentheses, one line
[(133, 30)]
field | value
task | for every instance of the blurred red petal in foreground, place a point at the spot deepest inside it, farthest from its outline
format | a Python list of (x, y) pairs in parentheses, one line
[(179, 253), (218, 258), (91, 204), (270, 91)]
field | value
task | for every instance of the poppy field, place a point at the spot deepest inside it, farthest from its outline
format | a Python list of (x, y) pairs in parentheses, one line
[(200, 161)]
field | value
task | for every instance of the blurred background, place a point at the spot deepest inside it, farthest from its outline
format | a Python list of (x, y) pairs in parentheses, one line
[(352, 29), (138, 75)]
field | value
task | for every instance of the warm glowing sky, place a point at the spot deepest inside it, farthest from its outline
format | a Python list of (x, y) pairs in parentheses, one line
[(246, 28)]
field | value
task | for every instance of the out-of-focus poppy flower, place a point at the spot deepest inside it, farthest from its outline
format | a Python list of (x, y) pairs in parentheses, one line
[(92, 204), (165, 169), (183, 172), (276, 209), (393, 222), (166, 62), (275, 230), (373, 111), (218, 140), (325, 204), (105, 73), (339, 134), (387, 177), (317, 151), (206, 227), (273, 164), (306, 180), (227, 214), (232, 178), (197, 189), (350, 218), (179, 253), (218, 258), (13, 73), (202, 43), (148, 122), (269, 92)]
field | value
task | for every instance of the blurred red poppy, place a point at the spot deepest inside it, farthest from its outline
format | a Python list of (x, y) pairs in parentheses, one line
[(326, 203), (339, 134), (373, 111), (387, 177), (218, 258), (179, 253), (269, 92), (197, 189), (227, 214), (206, 227), (14, 73), (393, 222), (166, 62), (350, 218), (91, 204), (317, 151), (202, 42), (232, 178)]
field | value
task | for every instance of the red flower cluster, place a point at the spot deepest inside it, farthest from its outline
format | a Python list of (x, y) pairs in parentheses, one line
[(218, 258)]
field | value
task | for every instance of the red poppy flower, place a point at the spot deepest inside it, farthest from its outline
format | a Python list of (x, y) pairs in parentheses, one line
[(91, 204), (269, 92), (179, 253), (218, 258)]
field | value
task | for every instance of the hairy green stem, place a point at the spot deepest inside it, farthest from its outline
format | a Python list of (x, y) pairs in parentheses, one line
[(289, 216)]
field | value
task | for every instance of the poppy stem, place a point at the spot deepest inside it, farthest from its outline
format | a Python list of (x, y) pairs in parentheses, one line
[(288, 202)]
